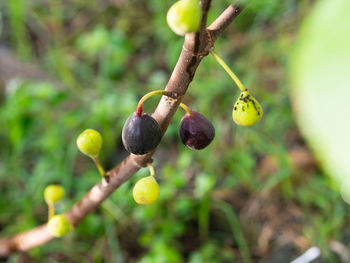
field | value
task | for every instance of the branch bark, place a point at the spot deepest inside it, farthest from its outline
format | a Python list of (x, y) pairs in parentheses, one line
[(195, 48), (226, 18)]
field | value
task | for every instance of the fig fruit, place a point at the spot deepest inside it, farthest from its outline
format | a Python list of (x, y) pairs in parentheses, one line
[(184, 17), (141, 134), (247, 110), (146, 191), (196, 131), (59, 226), (89, 142), (53, 193)]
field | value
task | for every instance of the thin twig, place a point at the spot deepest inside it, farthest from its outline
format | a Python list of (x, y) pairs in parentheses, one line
[(195, 47), (226, 18)]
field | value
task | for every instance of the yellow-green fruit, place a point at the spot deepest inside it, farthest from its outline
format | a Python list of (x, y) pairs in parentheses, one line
[(247, 110), (53, 193), (146, 191), (184, 16), (89, 142), (59, 226)]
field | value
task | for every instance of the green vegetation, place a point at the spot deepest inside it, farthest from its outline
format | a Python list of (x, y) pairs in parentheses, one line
[(237, 200)]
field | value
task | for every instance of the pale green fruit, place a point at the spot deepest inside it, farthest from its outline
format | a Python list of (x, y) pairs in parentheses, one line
[(247, 110), (59, 226), (53, 193), (184, 16), (146, 191), (320, 86), (89, 142)]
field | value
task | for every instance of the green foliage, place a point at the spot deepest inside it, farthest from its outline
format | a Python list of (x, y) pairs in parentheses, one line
[(17, 9), (104, 59)]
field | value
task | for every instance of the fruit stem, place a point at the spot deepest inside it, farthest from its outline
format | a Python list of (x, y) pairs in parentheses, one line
[(51, 210), (186, 108), (99, 166), (147, 96), (229, 71), (151, 169)]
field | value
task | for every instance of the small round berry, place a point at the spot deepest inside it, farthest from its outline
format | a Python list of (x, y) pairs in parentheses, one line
[(89, 142), (196, 131), (146, 191), (53, 193), (141, 134), (247, 110), (59, 226), (184, 16)]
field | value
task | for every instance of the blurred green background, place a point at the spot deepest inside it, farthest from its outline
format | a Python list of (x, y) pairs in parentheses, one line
[(252, 195)]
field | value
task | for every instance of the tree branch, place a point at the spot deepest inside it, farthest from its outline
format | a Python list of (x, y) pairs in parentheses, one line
[(226, 18), (195, 47)]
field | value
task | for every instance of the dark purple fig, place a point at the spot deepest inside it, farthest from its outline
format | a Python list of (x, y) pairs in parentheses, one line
[(196, 131), (141, 134)]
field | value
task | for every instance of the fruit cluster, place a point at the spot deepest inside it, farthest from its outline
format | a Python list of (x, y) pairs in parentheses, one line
[(142, 134), (58, 225)]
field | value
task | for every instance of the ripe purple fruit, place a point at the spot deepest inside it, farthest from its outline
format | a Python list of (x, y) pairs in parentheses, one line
[(141, 134), (196, 131)]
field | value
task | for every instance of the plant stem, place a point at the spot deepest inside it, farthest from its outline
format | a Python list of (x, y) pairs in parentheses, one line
[(147, 96), (51, 210), (236, 229), (229, 71), (121, 173), (99, 166), (151, 169), (186, 108)]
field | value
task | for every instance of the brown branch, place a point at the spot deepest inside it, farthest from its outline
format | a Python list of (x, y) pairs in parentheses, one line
[(195, 47), (226, 18)]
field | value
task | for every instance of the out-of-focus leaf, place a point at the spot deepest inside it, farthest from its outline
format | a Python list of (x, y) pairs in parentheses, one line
[(321, 85)]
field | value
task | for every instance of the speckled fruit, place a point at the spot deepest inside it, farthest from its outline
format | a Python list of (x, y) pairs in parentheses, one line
[(53, 193), (59, 226), (196, 131), (141, 134), (146, 191), (184, 16), (247, 110)]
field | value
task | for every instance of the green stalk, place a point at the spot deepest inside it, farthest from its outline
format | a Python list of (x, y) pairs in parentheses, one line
[(229, 71), (99, 166)]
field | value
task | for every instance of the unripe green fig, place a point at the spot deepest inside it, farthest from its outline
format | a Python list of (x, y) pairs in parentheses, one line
[(59, 226), (184, 16), (146, 191), (247, 110), (141, 134), (89, 142), (53, 193)]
